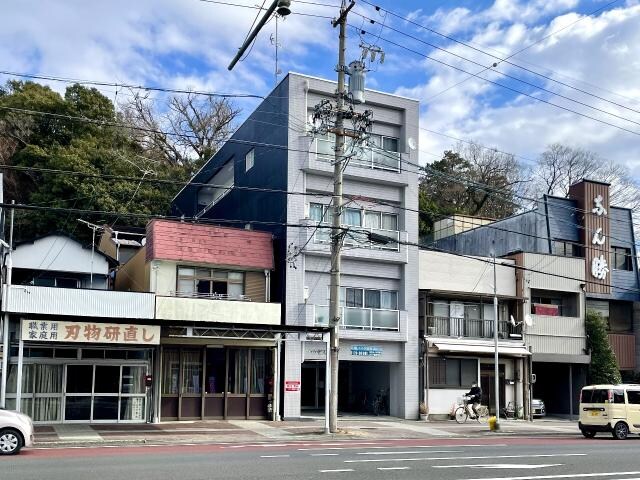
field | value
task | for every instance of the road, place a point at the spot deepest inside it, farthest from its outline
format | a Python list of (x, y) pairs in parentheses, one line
[(498, 458)]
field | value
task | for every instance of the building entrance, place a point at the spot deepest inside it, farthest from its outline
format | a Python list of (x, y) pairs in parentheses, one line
[(313, 386), (364, 387)]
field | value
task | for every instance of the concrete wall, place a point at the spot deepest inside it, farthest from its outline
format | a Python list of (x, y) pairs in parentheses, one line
[(223, 311), (452, 273)]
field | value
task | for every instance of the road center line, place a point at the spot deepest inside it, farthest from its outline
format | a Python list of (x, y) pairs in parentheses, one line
[(401, 446), (408, 453), (393, 468), (544, 455), (571, 475), (337, 470), (274, 456), (325, 454)]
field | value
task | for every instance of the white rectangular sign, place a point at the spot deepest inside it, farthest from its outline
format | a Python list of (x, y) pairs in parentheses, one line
[(89, 332)]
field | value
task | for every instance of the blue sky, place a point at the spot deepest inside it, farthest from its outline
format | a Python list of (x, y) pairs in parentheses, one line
[(188, 44)]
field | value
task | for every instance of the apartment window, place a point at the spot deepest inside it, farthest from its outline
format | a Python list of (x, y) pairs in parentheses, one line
[(446, 372), (210, 282), (379, 152), (249, 159), (621, 258), (368, 220), (554, 304), (220, 185), (60, 282), (369, 298), (566, 248)]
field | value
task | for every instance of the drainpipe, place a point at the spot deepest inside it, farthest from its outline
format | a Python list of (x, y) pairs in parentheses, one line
[(267, 286)]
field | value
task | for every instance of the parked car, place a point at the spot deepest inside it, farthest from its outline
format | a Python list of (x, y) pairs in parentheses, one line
[(16, 431), (538, 408), (610, 408)]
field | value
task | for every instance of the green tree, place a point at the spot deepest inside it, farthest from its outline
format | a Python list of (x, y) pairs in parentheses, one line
[(57, 143), (470, 180), (603, 368)]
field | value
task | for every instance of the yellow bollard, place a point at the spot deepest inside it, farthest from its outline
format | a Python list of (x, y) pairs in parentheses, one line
[(493, 424)]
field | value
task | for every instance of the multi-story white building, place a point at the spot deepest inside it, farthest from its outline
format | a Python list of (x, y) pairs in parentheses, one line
[(274, 150)]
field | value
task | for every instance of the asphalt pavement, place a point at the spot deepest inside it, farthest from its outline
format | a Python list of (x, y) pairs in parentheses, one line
[(498, 458)]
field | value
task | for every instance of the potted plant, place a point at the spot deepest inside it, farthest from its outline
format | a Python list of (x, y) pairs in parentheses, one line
[(424, 411)]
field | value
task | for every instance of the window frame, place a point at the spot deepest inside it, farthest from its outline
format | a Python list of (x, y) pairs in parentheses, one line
[(210, 277), (433, 372), (249, 160), (616, 252)]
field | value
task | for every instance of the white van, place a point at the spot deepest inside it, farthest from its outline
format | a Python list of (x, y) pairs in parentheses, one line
[(610, 408)]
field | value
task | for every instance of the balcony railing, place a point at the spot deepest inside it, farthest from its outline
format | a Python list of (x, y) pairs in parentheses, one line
[(358, 236), (211, 296), (374, 158), (469, 328), (361, 318)]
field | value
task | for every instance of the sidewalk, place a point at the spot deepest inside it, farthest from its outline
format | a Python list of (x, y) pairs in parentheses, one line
[(239, 431)]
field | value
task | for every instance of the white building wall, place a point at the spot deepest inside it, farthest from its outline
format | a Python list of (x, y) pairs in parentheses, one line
[(366, 268)]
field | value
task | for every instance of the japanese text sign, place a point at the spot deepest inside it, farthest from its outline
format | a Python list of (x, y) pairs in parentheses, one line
[(89, 332)]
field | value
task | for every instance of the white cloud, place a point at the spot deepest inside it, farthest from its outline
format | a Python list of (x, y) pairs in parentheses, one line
[(598, 54)]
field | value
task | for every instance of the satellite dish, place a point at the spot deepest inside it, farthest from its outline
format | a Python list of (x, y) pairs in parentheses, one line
[(412, 143), (528, 321), (512, 321)]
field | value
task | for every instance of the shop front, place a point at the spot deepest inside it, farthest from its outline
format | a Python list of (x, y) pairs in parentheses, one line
[(223, 381), (85, 372)]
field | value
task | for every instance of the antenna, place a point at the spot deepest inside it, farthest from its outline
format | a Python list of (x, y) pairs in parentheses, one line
[(277, 45)]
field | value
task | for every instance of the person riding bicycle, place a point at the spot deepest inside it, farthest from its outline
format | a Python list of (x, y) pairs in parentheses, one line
[(474, 395)]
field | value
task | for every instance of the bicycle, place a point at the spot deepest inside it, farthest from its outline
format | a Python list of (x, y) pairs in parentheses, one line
[(465, 412), (380, 404), (512, 411)]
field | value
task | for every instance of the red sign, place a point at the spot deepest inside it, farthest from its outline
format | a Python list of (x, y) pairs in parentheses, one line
[(292, 385)]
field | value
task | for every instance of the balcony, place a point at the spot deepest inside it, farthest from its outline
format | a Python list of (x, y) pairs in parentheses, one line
[(624, 348), (29, 299), (217, 309), (361, 237), (354, 318), (469, 328)]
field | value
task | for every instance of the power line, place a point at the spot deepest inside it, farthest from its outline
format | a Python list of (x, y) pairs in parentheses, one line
[(147, 88), (506, 59), (345, 229), (515, 90)]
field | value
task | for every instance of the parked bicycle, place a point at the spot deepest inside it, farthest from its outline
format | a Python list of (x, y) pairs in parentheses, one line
[(464, 412), (512, 411)]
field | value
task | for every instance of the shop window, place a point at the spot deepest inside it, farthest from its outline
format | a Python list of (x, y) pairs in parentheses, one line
[(79, 378), (170, 371), (215, 371), (238, 370), (191, 372), (447, 372), (132, 379), (107, 379), (258, 370), (77, 408), (621, 258)]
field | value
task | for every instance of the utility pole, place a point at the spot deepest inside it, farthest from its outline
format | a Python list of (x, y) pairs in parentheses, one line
[(495, 341), (336, 238)]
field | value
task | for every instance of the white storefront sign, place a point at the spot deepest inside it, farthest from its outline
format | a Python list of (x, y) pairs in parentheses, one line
[(89, 332), (599, 266)]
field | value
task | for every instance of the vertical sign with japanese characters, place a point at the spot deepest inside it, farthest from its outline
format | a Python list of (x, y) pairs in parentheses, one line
[(89, 332), (592, 201)]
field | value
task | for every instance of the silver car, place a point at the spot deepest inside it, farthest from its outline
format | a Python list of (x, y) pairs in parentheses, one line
[(16, 431), (538, 408)]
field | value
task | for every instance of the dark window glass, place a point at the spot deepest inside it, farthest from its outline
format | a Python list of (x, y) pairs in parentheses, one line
[(586, 396), (437, 371), (92, 353), (107, 379), (66, 283), (105, 408), (66, 353), (600, 396), (618, 396), (452, 372), (372, 298), (44, 282), (621, 258), (215, 370), (468, 372), (79, 379), (77, 408), (354, 297), (40, 352), (634, 396), (238, 370)]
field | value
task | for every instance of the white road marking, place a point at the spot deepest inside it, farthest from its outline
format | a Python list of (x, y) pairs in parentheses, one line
[(545, 455), (572, 475), (274, 456), (337, 470), (325, 454), (393, 468), (502, 465), (408, 453), (401, 446)]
